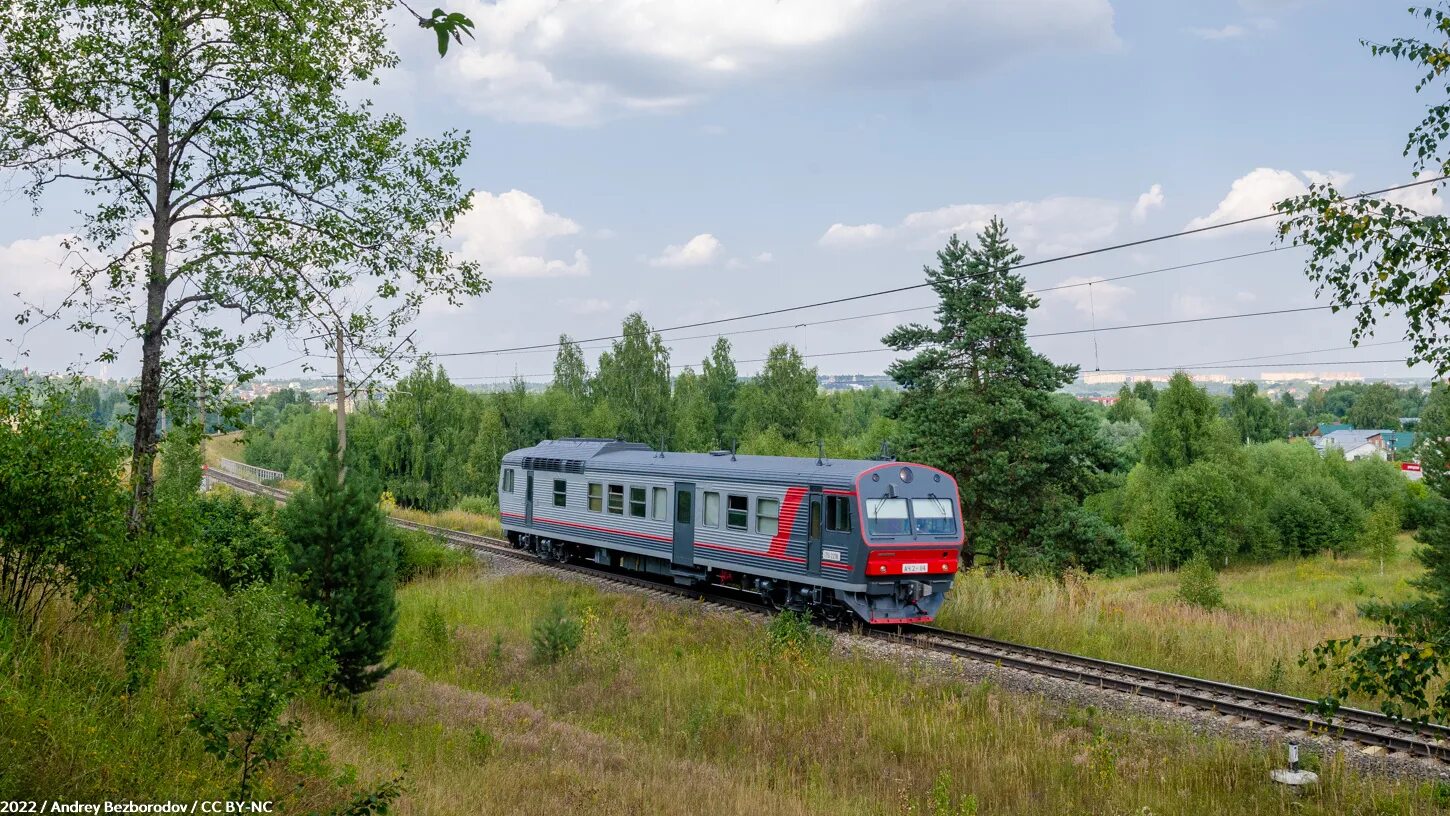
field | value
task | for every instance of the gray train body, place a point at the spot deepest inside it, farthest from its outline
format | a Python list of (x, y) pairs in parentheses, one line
[(879, 540)]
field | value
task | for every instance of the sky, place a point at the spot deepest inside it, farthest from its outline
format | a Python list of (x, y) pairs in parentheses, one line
[(706, 159)]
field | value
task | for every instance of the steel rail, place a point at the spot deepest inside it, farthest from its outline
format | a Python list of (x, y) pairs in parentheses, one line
[(1286, 711)]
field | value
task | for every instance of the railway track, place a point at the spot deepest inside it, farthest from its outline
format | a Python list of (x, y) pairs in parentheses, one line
[(1279, 713)]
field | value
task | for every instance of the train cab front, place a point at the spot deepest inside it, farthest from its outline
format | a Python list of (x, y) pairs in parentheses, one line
[(911, 539)]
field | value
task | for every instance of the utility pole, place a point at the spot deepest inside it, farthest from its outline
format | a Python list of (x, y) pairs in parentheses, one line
[(341, 407), (201, 408)]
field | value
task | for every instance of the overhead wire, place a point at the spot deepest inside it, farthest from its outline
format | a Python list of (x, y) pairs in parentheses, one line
[(912, 287)]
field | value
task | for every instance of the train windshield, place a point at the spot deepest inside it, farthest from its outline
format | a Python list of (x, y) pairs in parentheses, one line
[(886, 517), (934, 516)]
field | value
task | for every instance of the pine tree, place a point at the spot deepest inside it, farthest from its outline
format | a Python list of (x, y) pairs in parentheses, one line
[(345, 559), (722, 384), (978, 402)]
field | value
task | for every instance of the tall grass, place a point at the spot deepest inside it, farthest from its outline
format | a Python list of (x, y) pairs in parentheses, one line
[(664, 710), (1272, 614)]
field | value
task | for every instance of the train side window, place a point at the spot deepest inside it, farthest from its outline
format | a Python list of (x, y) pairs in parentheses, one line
[(838, 514), (737, 512), (814, 531), (508, 480), (661, 508), (616, 500), (561, 493), (636, 502), (684, 512), (711, 512), (596, 497), (767, 516)]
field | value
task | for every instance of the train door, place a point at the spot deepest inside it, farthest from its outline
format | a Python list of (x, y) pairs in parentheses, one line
[(529, 497), (815, 513), (684, 542)]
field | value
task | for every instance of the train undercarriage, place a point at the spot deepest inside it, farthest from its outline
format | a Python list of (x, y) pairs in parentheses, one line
[(885, 602)]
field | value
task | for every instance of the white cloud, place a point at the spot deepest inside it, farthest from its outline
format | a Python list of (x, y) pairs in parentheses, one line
[(1151, 200), (765, 257), (508, 234), (1047, 226), (1257, 192), (577, 63), (698, 251), (1102, 298), (1422, 199), (39, 270), (1228, 32), (587, 306), (845, 235)]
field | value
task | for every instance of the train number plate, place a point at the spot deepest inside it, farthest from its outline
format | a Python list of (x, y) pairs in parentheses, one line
[(913, 568)]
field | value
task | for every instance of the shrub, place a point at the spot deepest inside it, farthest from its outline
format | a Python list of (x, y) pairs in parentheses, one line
[(239, 542), (435, 627), (1316, 514), (61, 504), (481, 505), (556, 634), (421, 555), (1198, 583), (791, 634), (262, 648)]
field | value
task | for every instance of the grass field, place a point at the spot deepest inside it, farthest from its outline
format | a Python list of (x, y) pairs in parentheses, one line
[(1272, 614), (663, 710)]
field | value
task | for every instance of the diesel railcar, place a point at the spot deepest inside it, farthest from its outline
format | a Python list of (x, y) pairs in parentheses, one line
[(875, 539)]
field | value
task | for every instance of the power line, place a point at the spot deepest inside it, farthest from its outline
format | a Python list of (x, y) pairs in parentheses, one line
[(879, 349), (895, 290), (847, 318)]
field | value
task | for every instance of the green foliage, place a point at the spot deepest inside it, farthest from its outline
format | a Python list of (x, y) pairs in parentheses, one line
[(1199, 509), (421, 555), (435, 628), (230, 174), (239, 542), (791, 635), (343, 555), (1198, 583), (781, 398), (61, 508), (633, 383), (1181, 433), (979, 403), (694, 415), (1129, 408), (1377, 406), (1253, 417), (447, 25), (556, 634), (1315, 514), (721, 383), (427, 428), (481, 505), (1380, 531), (262, 649), (1371, 253)]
